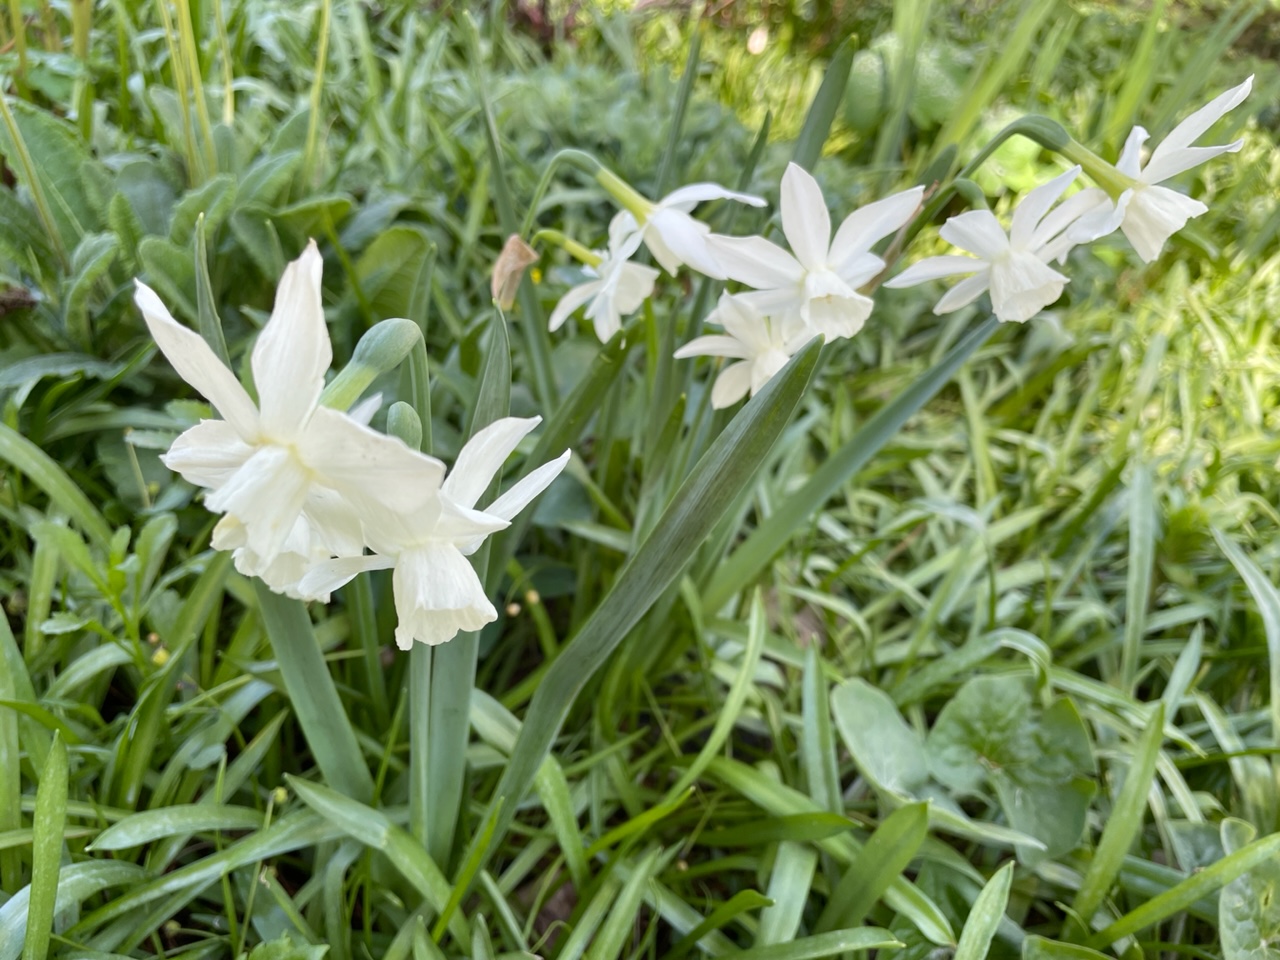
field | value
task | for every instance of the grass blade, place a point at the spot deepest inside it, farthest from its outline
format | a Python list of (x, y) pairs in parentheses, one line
[(46, 851), (883, 858), (25, 457), (1125, 822), (984, 918)]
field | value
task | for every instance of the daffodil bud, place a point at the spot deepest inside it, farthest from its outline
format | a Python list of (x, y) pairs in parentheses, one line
[(380, 350), (509, 269), (403, 422)]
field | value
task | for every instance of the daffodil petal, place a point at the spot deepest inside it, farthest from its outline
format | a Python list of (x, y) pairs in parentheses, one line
[(755, 261), (1034, 206), (437, 596), (805, 220), (964, 292), (526, 488), (977, 231), (731, 385), (483, 456), (197, 364), (868, 225), (348, 456), (207, 454), (1197, 124), (293, 352), (934, 268), (687, 197)]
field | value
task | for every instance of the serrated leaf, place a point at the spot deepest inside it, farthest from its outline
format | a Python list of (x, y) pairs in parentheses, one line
[(170, 270), (151, 195), (90, 262), (56, 155), (214, 199)]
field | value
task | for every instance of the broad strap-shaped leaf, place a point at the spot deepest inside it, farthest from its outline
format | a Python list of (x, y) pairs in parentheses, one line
[(713, 486)]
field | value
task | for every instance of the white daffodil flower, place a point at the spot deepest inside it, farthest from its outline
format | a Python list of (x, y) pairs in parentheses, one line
[(288, 459), (762, 345), (1148, 213), (437, 593), (617, 290), (670, 233), (820, 282), (1013, 267)]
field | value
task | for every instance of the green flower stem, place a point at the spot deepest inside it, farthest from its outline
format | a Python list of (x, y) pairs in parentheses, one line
[(581, 253), (576, 158), (1106, 175), (627, 196)]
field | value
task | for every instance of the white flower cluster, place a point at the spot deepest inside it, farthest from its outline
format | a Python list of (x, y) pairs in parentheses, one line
[(304, 489), (816, 289)]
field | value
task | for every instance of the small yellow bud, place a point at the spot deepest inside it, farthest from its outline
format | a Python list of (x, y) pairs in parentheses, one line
[(532, 598), (279, 795), (160, 657), (513, 609)]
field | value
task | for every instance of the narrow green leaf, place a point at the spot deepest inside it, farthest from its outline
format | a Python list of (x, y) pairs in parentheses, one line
[(1267, 599), (46, 851), (789, 515), (739, 903), (823, 109), (25, 457), (1141, 563), (824, 945), (881, 861), (782, 800), (790, 887), (796, 828), (1179, 898), (373, 829), (207, 320), (181, 819), (617, 927), (312, 692), (817, 741), (984, 918), (734, 702), (1125, 822)]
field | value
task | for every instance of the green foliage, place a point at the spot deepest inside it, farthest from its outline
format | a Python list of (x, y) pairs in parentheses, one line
[(955, 637)]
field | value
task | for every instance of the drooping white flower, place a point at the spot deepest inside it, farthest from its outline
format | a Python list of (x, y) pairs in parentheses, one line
[(437, 593), (820, 282), (761, 345), (287, 460), (1148, 213), (670, 233), (1013, 267), (617, 290)]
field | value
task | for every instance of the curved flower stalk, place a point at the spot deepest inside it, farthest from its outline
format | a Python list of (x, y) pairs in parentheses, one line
[(617, 289), (666, 227), (280, 471), (820, 282), (437, 592), (1014, 267), (761, 345), (1149, 214)]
